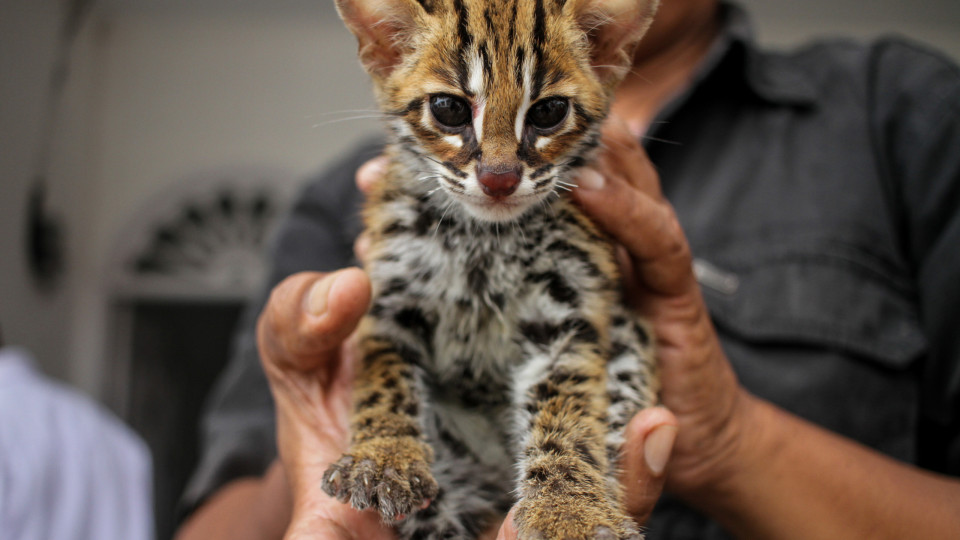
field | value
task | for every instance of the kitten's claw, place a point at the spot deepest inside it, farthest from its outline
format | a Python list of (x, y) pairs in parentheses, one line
[(394, 489)]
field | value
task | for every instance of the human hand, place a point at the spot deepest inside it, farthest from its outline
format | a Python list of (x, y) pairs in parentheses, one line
[(622, 194), (303, 335)]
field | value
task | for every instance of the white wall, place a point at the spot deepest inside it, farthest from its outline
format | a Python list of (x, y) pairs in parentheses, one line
[(164, 89)]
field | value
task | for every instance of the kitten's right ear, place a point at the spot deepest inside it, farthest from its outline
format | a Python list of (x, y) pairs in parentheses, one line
[(383, 29), (614, 28)]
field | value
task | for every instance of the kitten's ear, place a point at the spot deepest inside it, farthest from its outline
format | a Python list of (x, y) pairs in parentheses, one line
[(614, 28), (383, 29)]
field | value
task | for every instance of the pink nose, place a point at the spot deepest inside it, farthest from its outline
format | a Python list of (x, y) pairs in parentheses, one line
[(498, 184)]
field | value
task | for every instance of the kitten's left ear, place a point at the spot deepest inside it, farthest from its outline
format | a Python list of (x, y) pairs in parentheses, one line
[(614, 28), (382, 28)]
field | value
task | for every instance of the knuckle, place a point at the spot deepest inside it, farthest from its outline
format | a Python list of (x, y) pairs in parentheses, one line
[(675, 240), (282, 328), (634, 212)]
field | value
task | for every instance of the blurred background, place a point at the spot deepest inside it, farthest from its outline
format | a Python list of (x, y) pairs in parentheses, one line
[(147, 148)]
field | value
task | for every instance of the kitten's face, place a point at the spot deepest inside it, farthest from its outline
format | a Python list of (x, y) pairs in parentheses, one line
[(495, 101)]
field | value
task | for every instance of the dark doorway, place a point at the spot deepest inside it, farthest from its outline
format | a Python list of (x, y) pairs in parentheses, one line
[(177, 349)]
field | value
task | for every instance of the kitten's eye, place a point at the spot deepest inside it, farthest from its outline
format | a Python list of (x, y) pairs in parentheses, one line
[(548, 113), (450, 111)]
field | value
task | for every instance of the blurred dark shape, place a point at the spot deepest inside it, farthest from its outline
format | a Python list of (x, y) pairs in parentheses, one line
[(44, 241)]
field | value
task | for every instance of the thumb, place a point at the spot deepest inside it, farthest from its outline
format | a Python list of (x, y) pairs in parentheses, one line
[(649, 441), (308, 316)]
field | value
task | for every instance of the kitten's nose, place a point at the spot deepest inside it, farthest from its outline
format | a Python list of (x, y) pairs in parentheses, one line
[(498, 182)]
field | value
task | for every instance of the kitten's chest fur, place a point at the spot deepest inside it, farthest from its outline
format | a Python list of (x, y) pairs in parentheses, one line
[(476, 291)]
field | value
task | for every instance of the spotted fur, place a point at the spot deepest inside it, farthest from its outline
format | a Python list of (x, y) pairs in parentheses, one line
[(499, 367)]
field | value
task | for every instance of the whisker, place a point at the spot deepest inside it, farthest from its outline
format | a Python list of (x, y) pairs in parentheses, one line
[(345, 111), (443, 215), (657, 139), (349, 119), (519, 229)]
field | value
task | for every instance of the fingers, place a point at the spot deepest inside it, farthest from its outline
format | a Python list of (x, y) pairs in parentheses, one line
[(646, 227), (625, 153), (370, 173), (622, 194), (324, 530), (361, 247), (331, 520), (649, 443), (309, 315), (508, 531)]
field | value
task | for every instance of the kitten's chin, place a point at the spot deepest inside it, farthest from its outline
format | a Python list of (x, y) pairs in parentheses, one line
[(497, 211)]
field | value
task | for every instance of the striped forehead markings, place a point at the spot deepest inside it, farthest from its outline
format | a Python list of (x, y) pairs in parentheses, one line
[(539, 43), (474, 70), (463, 31), (476, 82), (477, 86), (539, 26), (531, 65), (512, 29), (522, 111)]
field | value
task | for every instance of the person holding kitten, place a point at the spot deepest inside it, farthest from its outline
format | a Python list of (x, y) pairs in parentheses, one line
[(789, 227)]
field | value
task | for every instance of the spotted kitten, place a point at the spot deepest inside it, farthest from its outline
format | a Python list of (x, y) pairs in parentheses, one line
[(498, 366)]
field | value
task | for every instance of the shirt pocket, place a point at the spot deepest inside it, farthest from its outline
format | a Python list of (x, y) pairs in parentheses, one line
[(823, 332), (834, 298)]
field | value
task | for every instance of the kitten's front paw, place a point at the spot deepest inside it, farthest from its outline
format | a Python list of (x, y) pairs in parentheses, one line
[(391, 475), (570, 518)]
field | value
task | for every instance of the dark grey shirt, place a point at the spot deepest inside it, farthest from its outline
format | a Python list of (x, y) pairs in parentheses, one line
[(820, 191)]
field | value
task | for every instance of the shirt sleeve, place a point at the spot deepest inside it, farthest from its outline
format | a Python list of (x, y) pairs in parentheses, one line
[(916, 109), (238, 427)]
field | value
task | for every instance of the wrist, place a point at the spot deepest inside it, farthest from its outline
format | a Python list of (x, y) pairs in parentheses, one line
[(705, 476), (245, 509), (730, 491)]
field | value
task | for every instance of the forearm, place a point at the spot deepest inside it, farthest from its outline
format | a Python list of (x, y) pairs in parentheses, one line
[(793, 479), (246, 509)]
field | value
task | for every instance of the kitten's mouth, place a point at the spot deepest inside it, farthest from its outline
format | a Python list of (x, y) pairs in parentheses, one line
[(498, 209)]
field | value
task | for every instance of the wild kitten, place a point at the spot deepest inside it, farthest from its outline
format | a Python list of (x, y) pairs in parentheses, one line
[(498, 364)]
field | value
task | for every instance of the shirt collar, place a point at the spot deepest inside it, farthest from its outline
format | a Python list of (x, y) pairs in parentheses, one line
[(735, 58), (773, 77)]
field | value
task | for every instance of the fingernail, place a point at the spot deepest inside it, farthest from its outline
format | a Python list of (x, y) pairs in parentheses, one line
[(318, 295), (361, 246), (372, 171), (657, 448), (590, 179)]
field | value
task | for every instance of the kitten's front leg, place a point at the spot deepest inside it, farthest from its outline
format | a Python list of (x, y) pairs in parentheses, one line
[(387, 466), (562, 401)]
